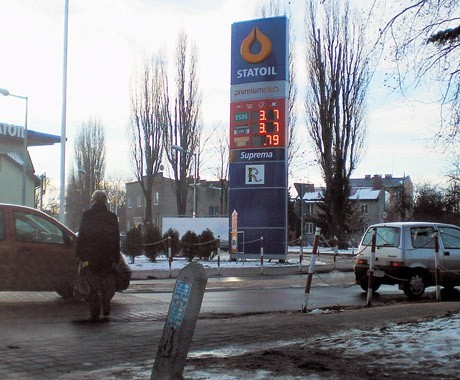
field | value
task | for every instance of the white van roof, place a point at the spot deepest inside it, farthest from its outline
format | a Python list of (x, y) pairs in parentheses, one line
[(411, 224)]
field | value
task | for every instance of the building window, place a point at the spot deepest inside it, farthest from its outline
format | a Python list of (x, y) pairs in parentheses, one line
[(365, 209), (130, 202), (139, 201), (308, 209), (213, 210), (156, 198), (309, 229)]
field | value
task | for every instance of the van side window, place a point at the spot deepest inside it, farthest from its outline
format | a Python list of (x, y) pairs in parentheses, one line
[(31, 228), (2, 225), (422, 237), (386, 237), (450, 237)]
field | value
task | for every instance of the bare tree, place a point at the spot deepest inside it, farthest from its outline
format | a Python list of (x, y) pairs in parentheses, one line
[(220, 169), (183, 119), (148, 121), (50, 198), (74, 201), (89, 150), (338, 77), (425, 40), (272, 8), (115, 186)]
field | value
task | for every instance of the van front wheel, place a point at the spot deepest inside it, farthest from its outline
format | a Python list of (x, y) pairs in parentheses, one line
[(415, 286)]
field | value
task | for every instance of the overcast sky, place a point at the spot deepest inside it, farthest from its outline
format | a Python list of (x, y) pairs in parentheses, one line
[(107, 37)]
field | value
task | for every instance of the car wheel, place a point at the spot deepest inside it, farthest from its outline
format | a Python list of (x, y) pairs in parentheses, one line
[(415, 286), (65, 292), (364, 284)]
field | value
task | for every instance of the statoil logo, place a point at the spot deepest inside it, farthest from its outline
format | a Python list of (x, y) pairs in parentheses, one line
[(248, 42), (255, 48)]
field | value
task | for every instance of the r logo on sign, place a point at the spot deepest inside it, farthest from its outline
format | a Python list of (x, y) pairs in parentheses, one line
[(255, 175)]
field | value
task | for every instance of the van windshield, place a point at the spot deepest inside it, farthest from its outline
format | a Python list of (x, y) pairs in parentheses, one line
[(386, 237), (450, 237)]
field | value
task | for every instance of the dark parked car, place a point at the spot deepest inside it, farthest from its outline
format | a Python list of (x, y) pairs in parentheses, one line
[(37, 253)]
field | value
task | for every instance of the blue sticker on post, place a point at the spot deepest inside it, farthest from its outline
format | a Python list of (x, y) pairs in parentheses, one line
[(179, 302)]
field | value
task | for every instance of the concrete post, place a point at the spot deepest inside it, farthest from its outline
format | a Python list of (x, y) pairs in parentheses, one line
[(169, 256), (311, 269), (218, 255), (261, 255), (180, 323), (336, 250)]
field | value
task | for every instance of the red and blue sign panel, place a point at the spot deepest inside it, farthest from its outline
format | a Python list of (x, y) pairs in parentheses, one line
[(258, 124), (258, 136)]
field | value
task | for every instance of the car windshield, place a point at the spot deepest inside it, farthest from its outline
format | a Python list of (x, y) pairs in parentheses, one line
[(386, 237)]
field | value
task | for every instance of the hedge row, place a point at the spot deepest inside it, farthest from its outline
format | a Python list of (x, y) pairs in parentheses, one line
[(152, 244)]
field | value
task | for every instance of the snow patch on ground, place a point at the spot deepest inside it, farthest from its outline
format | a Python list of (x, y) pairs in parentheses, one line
[(428, 347), (429, 344), (143, 263)]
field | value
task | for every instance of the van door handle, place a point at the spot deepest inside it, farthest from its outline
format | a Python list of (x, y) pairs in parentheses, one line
[(446, 253)]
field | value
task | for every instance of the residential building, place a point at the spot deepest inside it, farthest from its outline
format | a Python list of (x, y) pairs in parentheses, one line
[(375, 199), (15, 161), (209, 198), (11, 179)]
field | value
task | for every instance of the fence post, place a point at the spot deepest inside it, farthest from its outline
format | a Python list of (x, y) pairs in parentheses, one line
[(261, 255), (218, 255), (301, 252), (336, 249), (169, 256), (311, 269), (436, 265), (370, 283)]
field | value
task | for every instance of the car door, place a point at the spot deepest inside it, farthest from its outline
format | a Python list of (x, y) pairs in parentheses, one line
[(450, 253), (6, 252), (45, 255)]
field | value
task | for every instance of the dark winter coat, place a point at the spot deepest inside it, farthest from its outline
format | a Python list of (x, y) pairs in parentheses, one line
[(99, 238)]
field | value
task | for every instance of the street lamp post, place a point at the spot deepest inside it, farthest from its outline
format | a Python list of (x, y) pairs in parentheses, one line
[(5, 92), (63, 116), (301, 220), (182, 150)]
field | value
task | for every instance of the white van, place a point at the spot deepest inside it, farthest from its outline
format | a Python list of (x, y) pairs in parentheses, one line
[(405, 255)]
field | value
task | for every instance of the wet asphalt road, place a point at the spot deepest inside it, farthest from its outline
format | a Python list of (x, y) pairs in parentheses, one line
[(43, 336)]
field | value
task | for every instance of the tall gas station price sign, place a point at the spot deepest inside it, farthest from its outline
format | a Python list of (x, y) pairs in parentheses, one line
[(259, 137)]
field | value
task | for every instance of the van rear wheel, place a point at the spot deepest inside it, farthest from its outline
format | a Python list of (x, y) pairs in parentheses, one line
[(415, 286), (365, 283)]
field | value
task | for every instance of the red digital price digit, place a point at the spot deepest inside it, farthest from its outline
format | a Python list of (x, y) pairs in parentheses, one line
[(262, 115), (272, 140), (262, 128)]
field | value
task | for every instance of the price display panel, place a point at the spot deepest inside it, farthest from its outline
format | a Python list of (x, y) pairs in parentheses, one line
[(258, 124)]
